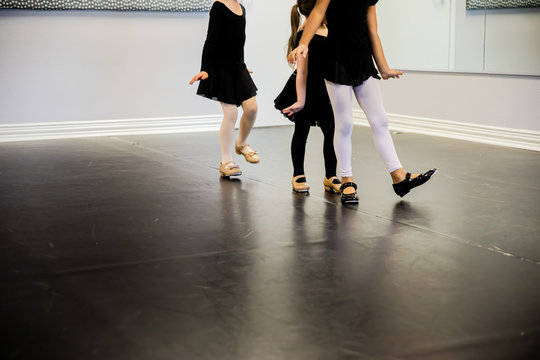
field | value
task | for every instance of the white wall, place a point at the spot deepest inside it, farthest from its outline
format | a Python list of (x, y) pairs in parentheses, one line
[(492, 100), (480, 42), (268, 31), (76, 65)]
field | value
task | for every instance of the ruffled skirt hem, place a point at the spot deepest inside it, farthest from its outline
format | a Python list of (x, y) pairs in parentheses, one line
[(353, 75), (228, 84)]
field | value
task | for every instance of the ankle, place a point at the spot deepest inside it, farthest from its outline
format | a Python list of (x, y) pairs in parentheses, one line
[(398, 175)]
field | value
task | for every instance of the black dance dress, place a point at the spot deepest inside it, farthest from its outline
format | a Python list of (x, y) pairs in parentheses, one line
[(317, 109), (350, 57), (223, 58)]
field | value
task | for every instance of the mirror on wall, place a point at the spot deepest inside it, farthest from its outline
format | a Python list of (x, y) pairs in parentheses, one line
[(443, 35)]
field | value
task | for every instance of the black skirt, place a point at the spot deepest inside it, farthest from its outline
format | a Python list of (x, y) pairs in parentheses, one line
[(347, 72), (230, 84), (317, 111)]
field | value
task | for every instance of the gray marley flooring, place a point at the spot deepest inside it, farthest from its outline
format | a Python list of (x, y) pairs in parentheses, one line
[(132, 247)]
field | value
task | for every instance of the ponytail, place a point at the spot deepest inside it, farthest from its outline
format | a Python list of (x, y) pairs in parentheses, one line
[(295, 24)]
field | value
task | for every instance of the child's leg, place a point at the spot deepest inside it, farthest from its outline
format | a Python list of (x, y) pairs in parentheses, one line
[(330, 161), (226, 131), (370, 99), (298, 147), (341, 99), (248, 119)]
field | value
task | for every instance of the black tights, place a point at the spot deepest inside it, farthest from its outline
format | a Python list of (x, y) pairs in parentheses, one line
[(298, 149)]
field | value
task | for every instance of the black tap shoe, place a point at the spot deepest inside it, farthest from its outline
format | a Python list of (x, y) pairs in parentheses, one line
[(404, 187), (349, 198)]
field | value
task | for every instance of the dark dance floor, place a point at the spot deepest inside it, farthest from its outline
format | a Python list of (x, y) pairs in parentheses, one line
[(132, 247)]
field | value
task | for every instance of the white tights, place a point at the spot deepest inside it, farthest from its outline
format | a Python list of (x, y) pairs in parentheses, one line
[(226, 131), (369, 98)]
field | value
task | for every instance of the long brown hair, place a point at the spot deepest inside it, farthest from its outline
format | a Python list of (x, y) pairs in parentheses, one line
[(303, 7)]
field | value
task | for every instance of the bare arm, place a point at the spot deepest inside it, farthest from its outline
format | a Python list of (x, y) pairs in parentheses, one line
[(313, 22), (301, 80), (376, 46)]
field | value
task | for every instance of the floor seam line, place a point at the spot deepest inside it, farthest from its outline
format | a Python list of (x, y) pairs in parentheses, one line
[(449, 237)]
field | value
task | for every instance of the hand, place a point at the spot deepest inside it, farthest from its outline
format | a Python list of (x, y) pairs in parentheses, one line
[(293, 109), (249, 71), (390, 73), (301, 50), (203, 75)]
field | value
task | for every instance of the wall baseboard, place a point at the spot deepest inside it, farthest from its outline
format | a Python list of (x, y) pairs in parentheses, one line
[(79, 129), (516, 138), (521, 139)]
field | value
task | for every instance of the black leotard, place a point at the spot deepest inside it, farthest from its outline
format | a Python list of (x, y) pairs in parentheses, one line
[(350, 58), (223, 58)]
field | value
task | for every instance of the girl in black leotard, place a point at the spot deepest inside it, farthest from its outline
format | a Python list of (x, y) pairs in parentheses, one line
[(352, 43), (313, 106), (224, 77)]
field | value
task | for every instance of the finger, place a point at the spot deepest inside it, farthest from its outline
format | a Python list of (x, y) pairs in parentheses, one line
[(288, 111), (292, 58)]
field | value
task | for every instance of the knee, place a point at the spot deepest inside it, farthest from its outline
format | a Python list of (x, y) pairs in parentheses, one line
[(231, 115), (228, 122), (344, 126), (250, 110), (251, 113), (379, 123), (230, 112)]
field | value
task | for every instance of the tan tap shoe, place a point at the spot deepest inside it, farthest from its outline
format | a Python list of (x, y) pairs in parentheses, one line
[(250, 154), (229, 169), (332, 185), (299, 186)]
